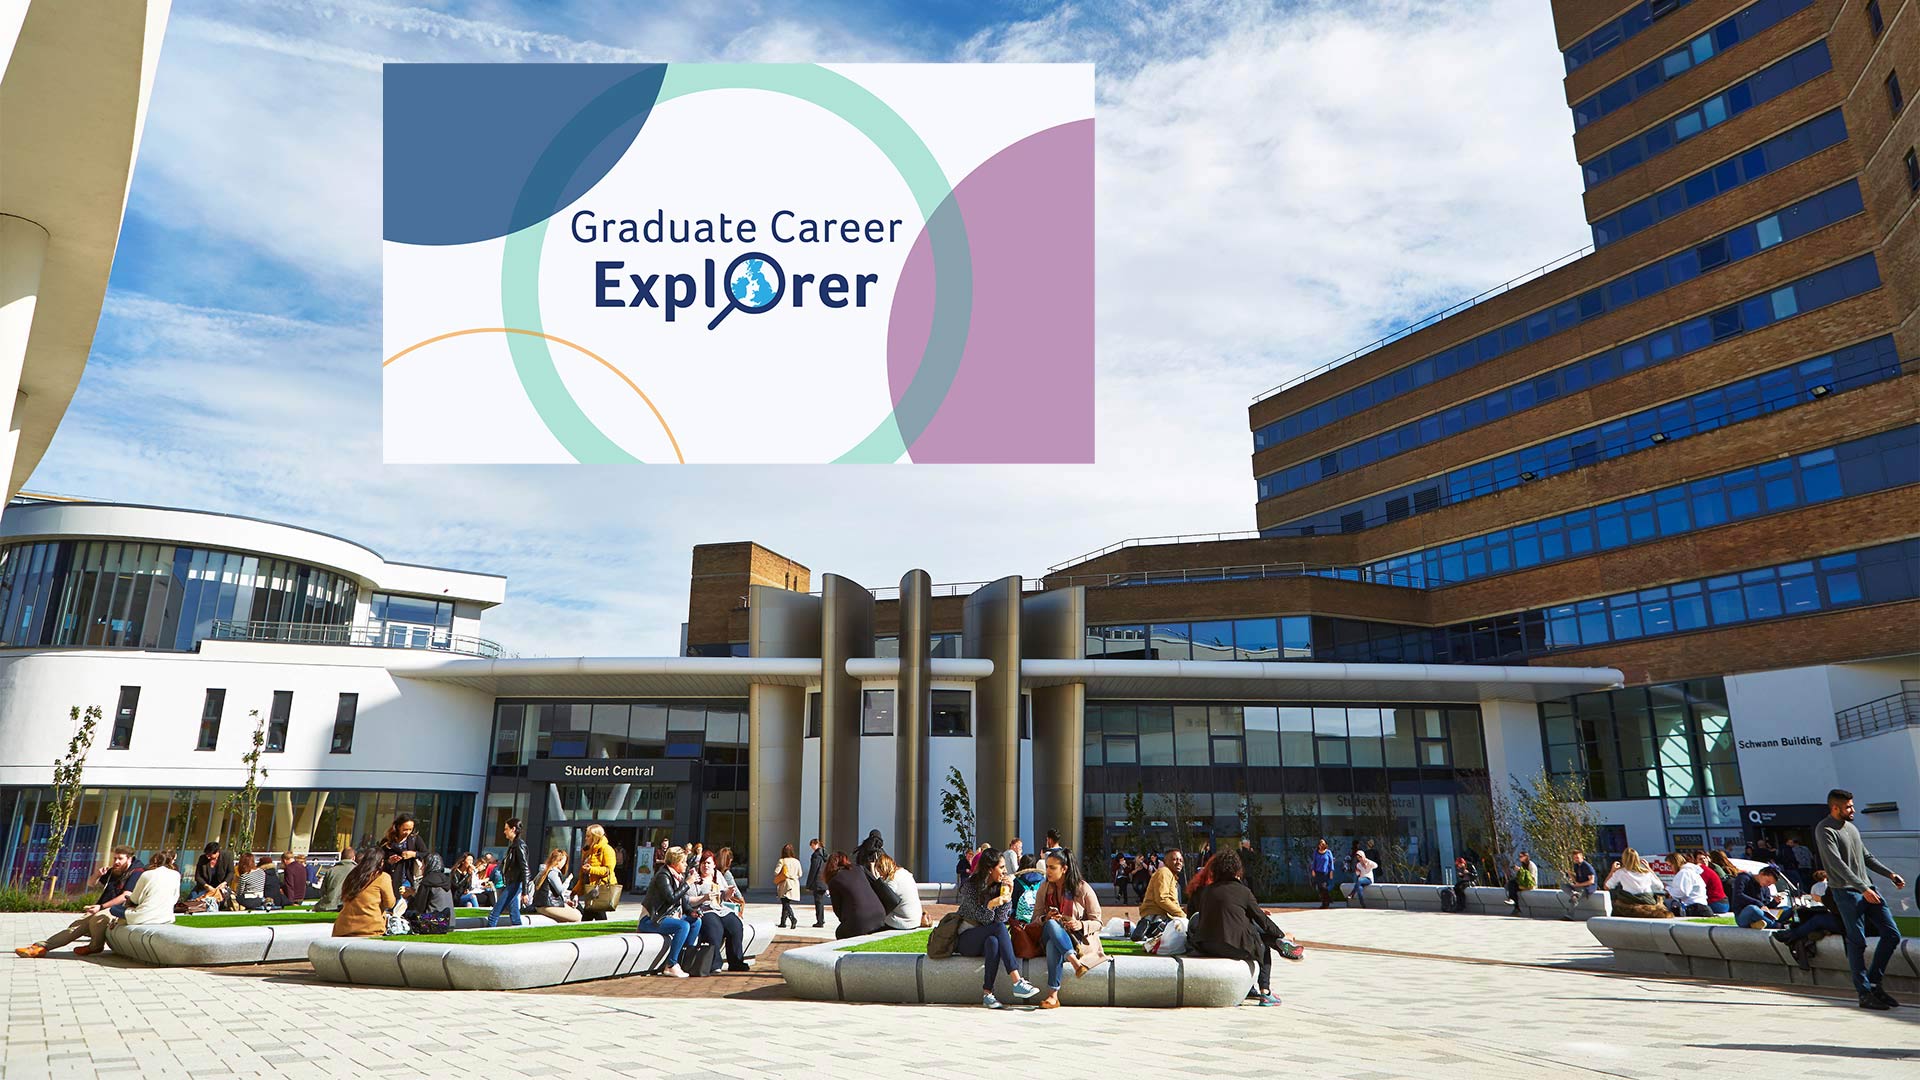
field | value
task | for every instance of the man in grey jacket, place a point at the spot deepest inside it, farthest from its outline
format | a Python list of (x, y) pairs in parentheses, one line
[(1862, 910)]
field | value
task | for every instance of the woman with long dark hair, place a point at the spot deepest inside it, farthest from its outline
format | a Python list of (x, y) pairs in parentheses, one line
[(1229, 923), (985, 908), (786, 881), (366, 897), (1069, 917), (855, 903), (399, 848)]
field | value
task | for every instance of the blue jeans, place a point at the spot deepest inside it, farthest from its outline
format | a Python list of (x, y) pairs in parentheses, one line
[(675, 931), (995, 944), (1719, 907), (1859, 919), (1810, 925), (509, 902), (1359, 884), (1753, 913), (1059, 947)]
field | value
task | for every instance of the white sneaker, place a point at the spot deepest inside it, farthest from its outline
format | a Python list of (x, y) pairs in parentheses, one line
[(1023, 988), (673, 971), (991, 1002)]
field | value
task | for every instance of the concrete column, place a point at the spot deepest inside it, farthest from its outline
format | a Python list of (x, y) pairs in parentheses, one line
[(282, 822), (23, 253), (302, 841), (846, 632), (911, 734), (1053, 627), (779, 623), (1514, 747), (991, 622)]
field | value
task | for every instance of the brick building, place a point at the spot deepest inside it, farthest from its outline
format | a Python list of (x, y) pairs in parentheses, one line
[(1688, 455)]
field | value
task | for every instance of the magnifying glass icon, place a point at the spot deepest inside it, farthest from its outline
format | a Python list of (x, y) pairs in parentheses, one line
[(749, 282)]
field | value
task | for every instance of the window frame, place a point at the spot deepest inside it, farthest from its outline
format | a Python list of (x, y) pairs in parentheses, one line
[(209, 734), (279, 721), (345, 715), (125, 711)]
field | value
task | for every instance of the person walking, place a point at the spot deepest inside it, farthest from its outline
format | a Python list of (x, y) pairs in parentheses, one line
[(1863, 910), (1320, 871), (786, 883), (596, 886), (513, 877), (816, 881)]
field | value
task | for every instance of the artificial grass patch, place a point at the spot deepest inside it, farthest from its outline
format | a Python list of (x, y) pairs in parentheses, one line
[(517, 935), (1909, 925), (255, 918), (916, 942), (282, 917)]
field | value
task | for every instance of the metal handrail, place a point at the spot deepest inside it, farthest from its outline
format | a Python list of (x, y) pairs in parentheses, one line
[(1248, 572), (1152, 541), (292, 633), (1410, 328), (1889, 713), (950, 588)]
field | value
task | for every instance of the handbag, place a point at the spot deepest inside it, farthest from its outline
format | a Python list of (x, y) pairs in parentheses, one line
[(946, 933), (1029, 942), (435, 922), (604, 896)]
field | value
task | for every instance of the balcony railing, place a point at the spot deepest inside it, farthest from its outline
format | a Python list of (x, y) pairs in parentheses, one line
[(377, 637), (1505, 286), (1249, 572), (1882, 714), (1148, 541)]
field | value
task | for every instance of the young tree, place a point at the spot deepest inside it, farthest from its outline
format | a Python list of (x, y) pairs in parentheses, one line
[(244, 805), (1136, 804), (1489, 826), (66, 794), (956, 809), (1553, 814)]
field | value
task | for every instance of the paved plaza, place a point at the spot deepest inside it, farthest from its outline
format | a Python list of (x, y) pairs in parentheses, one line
[(1381, 994)]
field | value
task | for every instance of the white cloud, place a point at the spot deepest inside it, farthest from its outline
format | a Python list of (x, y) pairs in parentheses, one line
[(1276, 185)]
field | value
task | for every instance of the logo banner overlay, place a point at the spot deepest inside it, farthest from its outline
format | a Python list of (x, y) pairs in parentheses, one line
[(738, 263)]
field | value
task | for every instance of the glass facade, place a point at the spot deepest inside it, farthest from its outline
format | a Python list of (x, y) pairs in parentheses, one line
[(1815, 212), (1796, 144), (1879, 462), (1407, 781), (1744, 399), (1720, 38), (411, 622), (1673, 742), (149, 819), (116, 594), (711, 806), (938, 646), (1762, 86)]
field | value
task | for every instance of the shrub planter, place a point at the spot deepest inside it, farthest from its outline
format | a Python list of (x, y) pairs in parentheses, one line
[(828, 972), (442, 965)]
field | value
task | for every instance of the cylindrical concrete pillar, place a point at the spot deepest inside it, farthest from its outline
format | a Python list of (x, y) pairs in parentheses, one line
[(992, 632), (846, 632), (915, 723)]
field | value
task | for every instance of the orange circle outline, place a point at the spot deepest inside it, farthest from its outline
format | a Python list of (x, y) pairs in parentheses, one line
[(583, 350)]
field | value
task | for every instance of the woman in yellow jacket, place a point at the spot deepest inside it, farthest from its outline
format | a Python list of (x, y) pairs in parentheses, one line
[(596, 868)]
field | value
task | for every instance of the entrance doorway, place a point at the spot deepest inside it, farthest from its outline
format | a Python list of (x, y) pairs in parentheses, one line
[(632, 849)]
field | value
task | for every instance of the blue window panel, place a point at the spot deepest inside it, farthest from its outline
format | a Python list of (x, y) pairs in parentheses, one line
[(1811, 213)]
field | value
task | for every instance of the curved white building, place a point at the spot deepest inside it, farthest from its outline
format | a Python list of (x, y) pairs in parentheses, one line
[(182, 627), (74, 94)]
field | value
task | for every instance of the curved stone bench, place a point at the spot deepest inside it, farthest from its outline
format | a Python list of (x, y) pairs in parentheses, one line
[(1485, 900), (827, 972), (442, 965), (181, 944), (1735, 954)]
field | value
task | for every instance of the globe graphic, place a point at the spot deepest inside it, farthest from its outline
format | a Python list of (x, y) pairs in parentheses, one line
[(749, 284)]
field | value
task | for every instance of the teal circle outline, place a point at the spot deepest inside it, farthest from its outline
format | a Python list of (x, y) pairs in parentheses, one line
[(933, 192)]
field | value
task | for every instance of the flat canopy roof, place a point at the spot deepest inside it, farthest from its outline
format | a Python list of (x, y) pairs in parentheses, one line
[(726, 676)]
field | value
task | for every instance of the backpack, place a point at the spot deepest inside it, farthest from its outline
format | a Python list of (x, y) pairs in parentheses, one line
[(945, 936), (1026, 894), (1448, 901)]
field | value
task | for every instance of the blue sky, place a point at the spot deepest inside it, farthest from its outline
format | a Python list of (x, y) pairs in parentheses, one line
[(1277, 183)]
